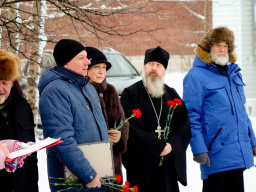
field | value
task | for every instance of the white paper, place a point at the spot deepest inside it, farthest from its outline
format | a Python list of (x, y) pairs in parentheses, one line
[(39, 145)]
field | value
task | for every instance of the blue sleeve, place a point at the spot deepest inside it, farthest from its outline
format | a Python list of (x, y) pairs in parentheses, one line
[(193, 96), (57, 120)]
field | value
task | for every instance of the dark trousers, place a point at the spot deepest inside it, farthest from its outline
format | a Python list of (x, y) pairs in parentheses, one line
[(232, 180)]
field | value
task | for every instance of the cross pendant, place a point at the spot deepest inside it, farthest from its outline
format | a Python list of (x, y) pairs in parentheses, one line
[(159, 131)]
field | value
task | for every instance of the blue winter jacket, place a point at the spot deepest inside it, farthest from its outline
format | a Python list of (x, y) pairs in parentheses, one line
[(70, 109), (220, 125)]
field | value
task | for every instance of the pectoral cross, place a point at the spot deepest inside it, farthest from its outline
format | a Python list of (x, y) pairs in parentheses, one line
[(159, 131)]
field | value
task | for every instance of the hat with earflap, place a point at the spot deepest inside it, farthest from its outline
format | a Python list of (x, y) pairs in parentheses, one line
[(96, 57), (157, 54), (214, 36), (10, 68), (217, 35)]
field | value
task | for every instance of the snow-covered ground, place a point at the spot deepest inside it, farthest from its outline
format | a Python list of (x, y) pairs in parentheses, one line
[(193, 171)]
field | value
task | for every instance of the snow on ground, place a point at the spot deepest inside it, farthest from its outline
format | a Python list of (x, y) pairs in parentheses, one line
[(174, 80)]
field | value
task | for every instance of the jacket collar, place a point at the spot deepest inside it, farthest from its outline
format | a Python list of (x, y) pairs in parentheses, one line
[(231, 68), (72, 76)]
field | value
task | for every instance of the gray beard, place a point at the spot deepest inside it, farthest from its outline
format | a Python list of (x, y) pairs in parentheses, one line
[(220, 60), (154, 86)]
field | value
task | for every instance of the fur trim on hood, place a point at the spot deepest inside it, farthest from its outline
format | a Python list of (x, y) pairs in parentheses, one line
[(216, 35), (10, 68)]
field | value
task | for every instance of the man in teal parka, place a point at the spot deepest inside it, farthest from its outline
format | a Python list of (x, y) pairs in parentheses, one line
[(223, 140), (70, 109)]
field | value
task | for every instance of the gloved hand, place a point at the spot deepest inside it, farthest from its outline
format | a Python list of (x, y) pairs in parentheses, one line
[(18, 162), (114, 135), (202, 158), (254, 150)]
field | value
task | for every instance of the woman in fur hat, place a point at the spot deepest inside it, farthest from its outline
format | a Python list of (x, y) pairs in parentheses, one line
[(223, 140), (111, 107), (17, 123)]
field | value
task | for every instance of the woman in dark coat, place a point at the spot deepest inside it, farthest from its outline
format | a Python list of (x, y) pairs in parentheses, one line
[(16, 122), (110, 103)]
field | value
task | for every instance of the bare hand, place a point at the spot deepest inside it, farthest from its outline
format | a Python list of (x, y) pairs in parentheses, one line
[(114, 135), (4, 148), (95, 182), (167, 149)]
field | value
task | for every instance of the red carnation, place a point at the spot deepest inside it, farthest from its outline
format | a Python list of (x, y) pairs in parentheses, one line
[(171, 103), (118, 178), (135, 189), (176, 100), (137, 112)]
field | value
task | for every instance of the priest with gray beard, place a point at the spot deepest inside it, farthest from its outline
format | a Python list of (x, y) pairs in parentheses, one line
[(145, 146)]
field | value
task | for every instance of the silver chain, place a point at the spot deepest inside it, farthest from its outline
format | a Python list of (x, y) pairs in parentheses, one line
[(157, 117)]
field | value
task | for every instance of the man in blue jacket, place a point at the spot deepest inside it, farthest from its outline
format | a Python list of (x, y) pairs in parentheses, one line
[(223, 140), (70, 109)]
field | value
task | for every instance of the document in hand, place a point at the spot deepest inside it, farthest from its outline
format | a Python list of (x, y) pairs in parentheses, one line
[(48, 142), (100, 157)]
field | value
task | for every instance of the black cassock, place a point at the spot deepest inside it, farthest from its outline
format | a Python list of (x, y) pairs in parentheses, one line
[(142, 157)]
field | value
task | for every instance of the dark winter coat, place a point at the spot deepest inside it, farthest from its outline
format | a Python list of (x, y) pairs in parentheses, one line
[(220, 125), (19, 125), (113, 112), (142, 157)]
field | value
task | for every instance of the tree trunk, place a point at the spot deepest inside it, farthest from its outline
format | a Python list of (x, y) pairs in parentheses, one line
[(12, 15), (34, 59)]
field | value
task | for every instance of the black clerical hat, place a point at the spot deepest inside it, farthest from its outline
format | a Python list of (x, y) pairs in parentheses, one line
[(157, 54)]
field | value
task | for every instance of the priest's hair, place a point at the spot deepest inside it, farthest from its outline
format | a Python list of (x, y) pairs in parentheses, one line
[(155, 86)]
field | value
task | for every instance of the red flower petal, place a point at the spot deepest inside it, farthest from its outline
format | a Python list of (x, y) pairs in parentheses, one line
[(135, 188), (171, 103), (176, 100), (119, 178), (127, 184), (137, 112)]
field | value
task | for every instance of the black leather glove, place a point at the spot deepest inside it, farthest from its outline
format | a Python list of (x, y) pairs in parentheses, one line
[(254, 150), (202, 158)]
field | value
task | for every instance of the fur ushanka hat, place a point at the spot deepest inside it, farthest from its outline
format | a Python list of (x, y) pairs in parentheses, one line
[(216, 35), (10, 68)]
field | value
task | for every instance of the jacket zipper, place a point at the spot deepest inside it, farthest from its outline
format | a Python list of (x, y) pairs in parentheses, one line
[(213, 139), (240, 96), (230, 101)]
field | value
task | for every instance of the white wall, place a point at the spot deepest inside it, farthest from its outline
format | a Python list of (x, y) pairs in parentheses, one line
[(238, 15)]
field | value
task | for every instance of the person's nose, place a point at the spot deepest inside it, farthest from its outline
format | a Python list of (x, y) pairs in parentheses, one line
[(222, 49), (154, 67), (87, 61)]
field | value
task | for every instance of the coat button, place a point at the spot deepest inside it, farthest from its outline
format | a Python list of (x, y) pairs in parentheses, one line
[(222, 143)]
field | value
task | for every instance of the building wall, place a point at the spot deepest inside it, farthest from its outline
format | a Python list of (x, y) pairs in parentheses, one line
[(238, 15)]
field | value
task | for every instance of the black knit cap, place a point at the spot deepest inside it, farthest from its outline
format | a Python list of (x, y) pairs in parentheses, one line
[(65, 50), (157, 54), (96, 57)]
